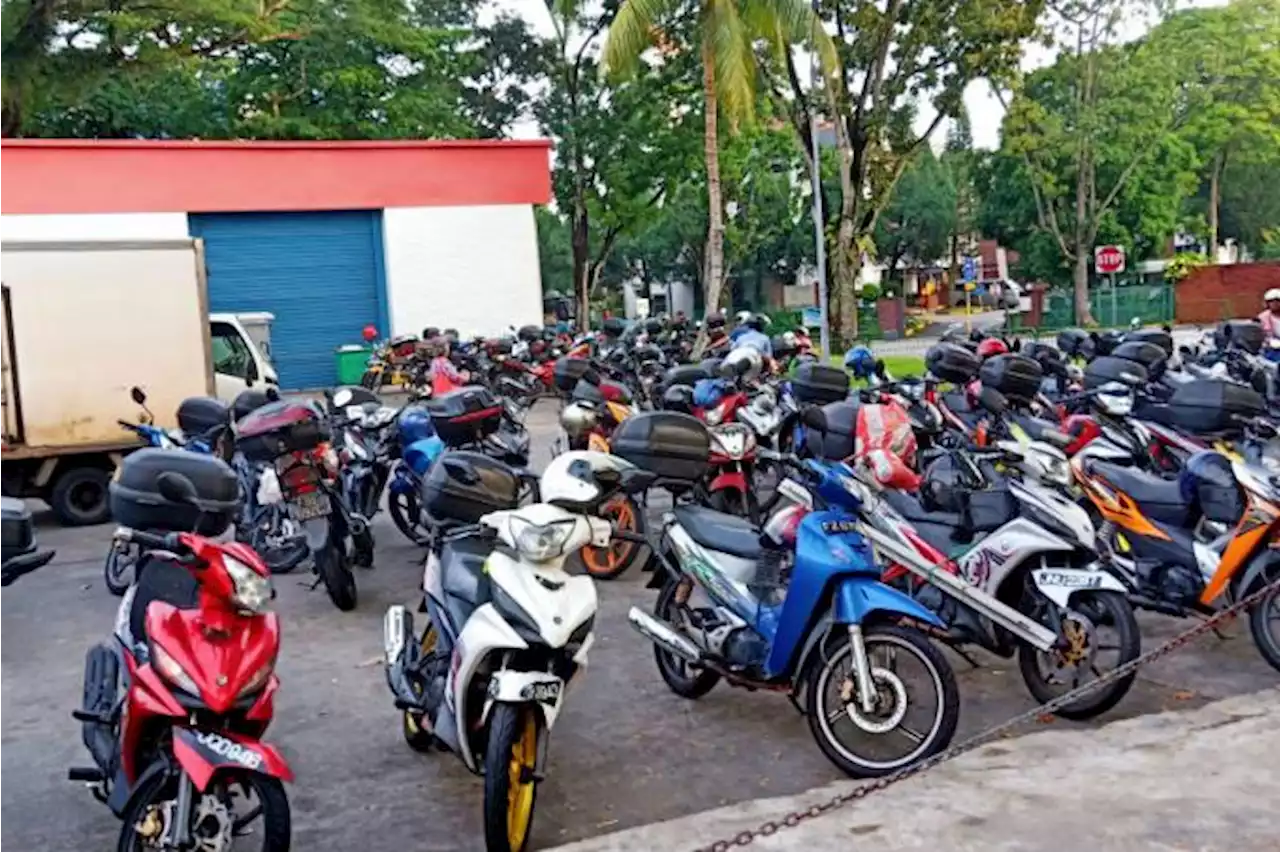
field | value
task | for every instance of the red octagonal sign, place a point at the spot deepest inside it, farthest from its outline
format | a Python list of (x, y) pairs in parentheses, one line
[(1108, 259)]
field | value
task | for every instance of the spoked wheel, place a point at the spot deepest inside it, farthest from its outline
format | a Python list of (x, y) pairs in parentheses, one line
[(916, 706), (1102, 635), (510, 788), (683, 678), (406, 514), (334, 568), (416, 734), (119, 570), (237, 812), (607, 563)]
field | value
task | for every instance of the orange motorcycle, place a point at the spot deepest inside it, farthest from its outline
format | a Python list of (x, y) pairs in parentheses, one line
[(1194, 544)]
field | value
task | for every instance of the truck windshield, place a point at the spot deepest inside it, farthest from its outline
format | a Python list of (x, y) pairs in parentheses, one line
[(231, 355)]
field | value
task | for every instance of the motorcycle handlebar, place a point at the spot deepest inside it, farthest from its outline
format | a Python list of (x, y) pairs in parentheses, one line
[(151, 541)]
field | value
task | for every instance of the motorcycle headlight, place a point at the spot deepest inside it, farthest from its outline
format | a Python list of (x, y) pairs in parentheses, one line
[(172, 671), (252, 591), (540, 542), (258, 680)]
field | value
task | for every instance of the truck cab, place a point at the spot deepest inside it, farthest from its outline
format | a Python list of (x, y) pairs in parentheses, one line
[(241, 352)]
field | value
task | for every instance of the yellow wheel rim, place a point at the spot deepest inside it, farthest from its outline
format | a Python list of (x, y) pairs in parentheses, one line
[(524, 756)]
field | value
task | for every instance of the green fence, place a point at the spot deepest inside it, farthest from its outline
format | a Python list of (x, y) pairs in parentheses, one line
[(1150, 304)]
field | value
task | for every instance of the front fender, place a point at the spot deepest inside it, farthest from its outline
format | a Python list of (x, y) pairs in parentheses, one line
[(1060, 585), (317, 532), (203, 753), (516, 687), (857, 599)]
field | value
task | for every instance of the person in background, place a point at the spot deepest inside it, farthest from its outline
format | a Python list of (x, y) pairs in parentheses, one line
[(444, 375), (1270, 318)]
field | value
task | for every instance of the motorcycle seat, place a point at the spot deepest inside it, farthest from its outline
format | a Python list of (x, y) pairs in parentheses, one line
[(159, 579), (718, 531), (943, 530), (1160, 499), (1043, 430)]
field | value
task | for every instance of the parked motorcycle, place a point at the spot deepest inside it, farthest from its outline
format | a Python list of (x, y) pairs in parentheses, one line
[(797, 607), (507, 629), (179, 756), (293, 439)]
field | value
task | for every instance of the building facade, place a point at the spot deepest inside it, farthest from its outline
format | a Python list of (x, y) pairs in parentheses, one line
[(328, 236)]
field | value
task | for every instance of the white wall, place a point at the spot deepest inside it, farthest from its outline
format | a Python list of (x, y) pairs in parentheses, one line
[(94, 226), (470, 268)]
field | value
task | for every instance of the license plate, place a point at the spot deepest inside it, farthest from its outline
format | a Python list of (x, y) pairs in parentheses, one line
[(312, 505)]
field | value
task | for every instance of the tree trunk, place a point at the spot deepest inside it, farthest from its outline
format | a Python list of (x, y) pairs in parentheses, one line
[(1081, 278), (846, 260), (713, 277), (1215, 193), (582, 267)]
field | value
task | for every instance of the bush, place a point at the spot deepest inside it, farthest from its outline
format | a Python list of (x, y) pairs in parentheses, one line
[(1182, 264), (869, 292)]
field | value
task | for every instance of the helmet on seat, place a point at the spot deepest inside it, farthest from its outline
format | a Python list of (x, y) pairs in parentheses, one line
[(744, 361), (580, 480), (860, 362), (414, 424), (742, 318), (991, 347), (715, 321), (758, 321), (1208, 483)]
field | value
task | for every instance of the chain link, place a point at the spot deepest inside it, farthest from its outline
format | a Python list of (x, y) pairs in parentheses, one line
[(745, 838)]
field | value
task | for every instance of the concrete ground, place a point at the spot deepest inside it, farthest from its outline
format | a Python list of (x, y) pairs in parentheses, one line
[(625, 753), (1204, 780)]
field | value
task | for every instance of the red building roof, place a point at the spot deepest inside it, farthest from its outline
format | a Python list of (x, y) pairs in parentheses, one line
[(134, 175)]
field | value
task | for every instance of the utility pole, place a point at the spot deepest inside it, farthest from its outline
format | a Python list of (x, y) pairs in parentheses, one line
[(819, 239)]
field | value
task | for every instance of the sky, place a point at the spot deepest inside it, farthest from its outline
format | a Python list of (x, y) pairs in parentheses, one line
[(985, 112)]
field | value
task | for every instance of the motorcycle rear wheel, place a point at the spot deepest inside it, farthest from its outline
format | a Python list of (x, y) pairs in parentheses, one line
[(510, 789), (277, 823), (404, 512), (683, 679), (334, 569)]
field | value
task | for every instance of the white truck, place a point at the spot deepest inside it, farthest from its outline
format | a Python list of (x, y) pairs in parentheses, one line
[(83, 322)]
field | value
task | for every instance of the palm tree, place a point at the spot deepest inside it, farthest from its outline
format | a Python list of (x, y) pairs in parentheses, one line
[(726, 32)]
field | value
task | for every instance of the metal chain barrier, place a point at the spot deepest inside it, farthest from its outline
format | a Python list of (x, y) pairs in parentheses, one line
[(772, 827)]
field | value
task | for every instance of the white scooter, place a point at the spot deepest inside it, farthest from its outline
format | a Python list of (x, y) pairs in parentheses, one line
[(507, 631)]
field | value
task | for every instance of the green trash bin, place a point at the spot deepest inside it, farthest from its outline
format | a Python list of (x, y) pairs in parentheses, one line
[(351, 363)]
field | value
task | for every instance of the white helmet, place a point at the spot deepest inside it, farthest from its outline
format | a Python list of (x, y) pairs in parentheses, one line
[(578, 479), (1272, 295), (744, 361), (742, 317), (577, 419)]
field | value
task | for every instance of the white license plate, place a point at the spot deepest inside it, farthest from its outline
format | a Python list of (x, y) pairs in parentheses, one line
[(312, 505)]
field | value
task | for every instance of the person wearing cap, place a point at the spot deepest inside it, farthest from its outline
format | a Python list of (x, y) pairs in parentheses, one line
[(1270, 318)]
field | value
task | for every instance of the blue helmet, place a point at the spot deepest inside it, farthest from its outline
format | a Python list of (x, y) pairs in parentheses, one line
[(860, 362), (414, 424)]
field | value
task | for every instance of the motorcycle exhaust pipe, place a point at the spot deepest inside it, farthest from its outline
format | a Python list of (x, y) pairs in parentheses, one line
[(662, 634)]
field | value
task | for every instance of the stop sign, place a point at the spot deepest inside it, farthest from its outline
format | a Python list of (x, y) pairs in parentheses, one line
[(1108, 259)]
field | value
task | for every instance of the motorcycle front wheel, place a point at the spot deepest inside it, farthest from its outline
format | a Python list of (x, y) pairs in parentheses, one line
[(608, 563), (334, 569), (917, 703), (119, 569), (510, 788), (222, 810), (1264, 622), (1103, 634)]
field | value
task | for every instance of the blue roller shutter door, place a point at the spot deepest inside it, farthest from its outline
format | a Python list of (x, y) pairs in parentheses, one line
[(320, 274)]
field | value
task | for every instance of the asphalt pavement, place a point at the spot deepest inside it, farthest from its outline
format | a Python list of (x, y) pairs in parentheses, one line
[(625, 753)]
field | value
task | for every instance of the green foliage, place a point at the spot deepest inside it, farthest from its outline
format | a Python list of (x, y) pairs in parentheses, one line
[(555, 254), (1182, 264), (919, 219), (280, 69)]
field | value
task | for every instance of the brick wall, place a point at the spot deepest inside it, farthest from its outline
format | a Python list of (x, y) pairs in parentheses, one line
[(1214, 293)]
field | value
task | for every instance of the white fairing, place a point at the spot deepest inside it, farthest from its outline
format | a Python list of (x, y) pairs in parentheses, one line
[(987, 565), (557, 611), (1059, 507)]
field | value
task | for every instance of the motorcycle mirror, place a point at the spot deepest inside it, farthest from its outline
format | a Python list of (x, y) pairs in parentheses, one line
[(176, 488), (273, 393), (137, 395), (814, 418)]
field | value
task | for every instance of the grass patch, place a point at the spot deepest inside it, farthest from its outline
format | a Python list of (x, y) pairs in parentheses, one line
[(901, 366)]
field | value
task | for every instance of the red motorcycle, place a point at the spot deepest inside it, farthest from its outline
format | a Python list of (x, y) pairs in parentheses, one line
[(180, 759), (716, 403)]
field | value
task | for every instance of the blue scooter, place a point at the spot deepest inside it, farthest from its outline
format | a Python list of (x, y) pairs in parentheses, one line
[(798, 607)]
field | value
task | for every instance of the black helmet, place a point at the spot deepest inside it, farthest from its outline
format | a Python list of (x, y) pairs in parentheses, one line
[(430, 332), (715, 321), (251, 400), (678, 398), (1208, 483), (451, 335)]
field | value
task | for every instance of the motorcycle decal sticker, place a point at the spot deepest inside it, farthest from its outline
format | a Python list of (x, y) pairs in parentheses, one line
[(977, 566)]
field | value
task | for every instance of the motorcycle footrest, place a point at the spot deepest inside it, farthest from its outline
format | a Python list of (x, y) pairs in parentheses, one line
[(92, 717), (86, 774), (412, 706)]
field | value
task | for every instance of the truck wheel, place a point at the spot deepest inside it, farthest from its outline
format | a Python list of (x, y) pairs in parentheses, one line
[(79, 496)]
